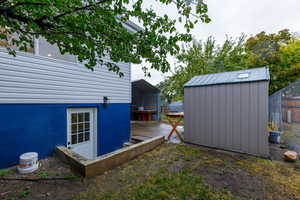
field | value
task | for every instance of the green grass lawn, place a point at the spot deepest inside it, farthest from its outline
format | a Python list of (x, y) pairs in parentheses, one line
[(171, 171), (189, 172), (170, 185)]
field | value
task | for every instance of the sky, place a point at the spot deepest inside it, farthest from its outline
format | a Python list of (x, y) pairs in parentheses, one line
[(232, 18)]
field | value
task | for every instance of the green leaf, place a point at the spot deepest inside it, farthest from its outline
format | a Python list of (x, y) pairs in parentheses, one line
[(94, 28)]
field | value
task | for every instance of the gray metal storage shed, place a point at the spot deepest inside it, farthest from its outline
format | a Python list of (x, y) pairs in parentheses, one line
[(228, 111)]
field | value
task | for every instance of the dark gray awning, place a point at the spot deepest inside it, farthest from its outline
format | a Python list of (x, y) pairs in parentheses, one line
[(144, 86)]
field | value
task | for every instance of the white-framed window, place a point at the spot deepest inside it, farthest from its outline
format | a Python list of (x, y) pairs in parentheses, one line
[(52, 51), (80, 127), (41, 47), (82, 131)]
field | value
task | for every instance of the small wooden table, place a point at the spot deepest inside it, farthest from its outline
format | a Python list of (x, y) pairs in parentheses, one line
[(145, 114), (174, 123)]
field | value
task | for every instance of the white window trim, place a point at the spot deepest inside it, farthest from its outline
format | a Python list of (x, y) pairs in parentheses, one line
[(36, 47), (37, 53), (95, 126)]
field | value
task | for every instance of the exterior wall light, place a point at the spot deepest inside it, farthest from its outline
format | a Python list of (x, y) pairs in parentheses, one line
[(106, 101)]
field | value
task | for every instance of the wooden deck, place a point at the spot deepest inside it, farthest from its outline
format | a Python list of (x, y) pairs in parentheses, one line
[(146, 130)]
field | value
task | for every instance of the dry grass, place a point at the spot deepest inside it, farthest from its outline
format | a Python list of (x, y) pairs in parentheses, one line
[(171, 171), (189, 172)]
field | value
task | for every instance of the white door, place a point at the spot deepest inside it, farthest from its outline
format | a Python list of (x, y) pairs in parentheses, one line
[(82, 131)]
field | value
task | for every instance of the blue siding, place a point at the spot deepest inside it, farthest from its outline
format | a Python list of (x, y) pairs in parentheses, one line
[(114, 127), (41, 127)]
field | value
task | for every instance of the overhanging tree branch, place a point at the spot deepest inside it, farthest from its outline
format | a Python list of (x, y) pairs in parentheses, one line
[(27, 4), (90, 29), (8, 13), (79, 9), (3, 1)]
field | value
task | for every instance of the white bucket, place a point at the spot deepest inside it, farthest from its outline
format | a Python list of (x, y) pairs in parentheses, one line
[(28, 162)]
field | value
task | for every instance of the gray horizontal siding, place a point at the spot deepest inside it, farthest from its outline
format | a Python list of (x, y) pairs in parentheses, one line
[(230, 116), (28, 78)]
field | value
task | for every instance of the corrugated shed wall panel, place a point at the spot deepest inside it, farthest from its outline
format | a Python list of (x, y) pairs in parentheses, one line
[(197, 114), (222, 116), (187, 118), (34, 79), (205, 109), (201, 122), (236, 117), (230, 116), (245, 89), (263, 118), (193, 122), (211, 115), (215, 122), (253, 110), (208, 120)]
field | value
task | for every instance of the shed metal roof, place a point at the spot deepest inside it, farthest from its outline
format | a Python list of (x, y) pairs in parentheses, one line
[(249, 75), (143, 85)]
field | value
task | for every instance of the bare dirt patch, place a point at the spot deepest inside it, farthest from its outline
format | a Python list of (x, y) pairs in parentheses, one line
[(171, 171), (49, 189)]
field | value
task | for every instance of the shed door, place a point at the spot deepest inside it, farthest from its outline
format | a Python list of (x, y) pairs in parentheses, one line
[(81, 131)]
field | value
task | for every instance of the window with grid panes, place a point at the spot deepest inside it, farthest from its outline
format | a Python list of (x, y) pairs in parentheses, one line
[(80, 127)]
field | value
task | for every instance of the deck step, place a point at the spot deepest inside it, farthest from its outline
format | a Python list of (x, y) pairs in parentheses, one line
[(127, 144), (139, 138)]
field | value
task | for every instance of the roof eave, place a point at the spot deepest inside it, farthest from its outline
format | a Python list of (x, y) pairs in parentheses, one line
[(133, 26), (147, 83)]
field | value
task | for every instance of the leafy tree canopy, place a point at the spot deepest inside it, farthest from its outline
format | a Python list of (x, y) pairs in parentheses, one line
[(203, 57), (279, 51), (91, 29)]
